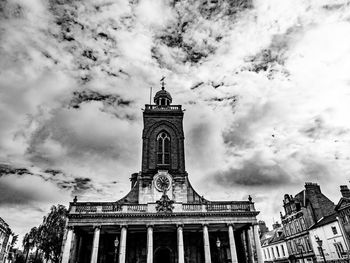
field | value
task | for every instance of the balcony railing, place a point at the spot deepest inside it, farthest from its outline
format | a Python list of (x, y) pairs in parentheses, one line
[(163, 107), (108, 208)]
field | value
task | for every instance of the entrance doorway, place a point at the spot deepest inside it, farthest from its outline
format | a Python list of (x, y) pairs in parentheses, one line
[(163, 255)]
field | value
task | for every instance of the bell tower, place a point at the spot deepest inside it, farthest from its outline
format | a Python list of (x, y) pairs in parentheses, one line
[(163, 137)]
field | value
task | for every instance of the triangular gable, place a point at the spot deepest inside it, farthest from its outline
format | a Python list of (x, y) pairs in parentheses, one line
[(343, 202)]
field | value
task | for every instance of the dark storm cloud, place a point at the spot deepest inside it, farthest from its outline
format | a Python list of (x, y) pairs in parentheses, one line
[(53, 172), (8, 169), (318, 128), (239, 134), (253, 174), (9, 9), (228, 8), (17, 189), (10, 195), (78, 185), (180, 39), (90, 57), (315, 170), (271, 60), (89, 95)]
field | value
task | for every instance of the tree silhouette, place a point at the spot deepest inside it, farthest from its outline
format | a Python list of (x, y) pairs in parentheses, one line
[(48, 236)]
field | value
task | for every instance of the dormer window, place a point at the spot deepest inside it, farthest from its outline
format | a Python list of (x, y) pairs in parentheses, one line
[(163, 149)]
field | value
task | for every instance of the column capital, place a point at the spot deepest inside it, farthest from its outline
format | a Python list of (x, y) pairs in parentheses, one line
[(149, 225), (96, 227), (180, 225), (123, 226), (70, 227), (205, 224), (231, 224)]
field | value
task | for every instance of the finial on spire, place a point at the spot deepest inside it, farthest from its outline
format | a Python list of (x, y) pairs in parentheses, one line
[(162, 82)]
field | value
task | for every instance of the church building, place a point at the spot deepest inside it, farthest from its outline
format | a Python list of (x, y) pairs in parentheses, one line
[(162, 219)]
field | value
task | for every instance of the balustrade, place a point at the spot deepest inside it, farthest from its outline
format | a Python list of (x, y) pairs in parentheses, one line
[(137, 208), (192, 207), (149, 208), (164, 107), (86, 208)]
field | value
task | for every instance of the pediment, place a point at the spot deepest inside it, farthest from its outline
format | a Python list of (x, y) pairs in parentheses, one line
[(343, 203)]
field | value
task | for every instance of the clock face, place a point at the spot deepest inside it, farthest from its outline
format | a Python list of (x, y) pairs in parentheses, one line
[(162, 183)]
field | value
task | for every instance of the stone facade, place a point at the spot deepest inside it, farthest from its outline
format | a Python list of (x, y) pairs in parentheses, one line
[(162, 219), (343, 212), (5, 241), (328, 231), (303, 211), (274, 246)]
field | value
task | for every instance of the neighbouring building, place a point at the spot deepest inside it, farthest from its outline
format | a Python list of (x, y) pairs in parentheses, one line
[(274, 246), (327, 239), (162, 219), (343, 211), (301, 212), (5, 241)]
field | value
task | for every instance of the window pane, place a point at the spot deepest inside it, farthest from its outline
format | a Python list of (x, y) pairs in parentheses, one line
[(160, 140), (166, 158), (159, 158), (166, 145)]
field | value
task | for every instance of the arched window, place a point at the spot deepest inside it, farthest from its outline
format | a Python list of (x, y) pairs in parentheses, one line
[(163, 148)]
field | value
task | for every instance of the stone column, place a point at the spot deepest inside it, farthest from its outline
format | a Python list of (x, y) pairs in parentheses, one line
[(79, 250), (207, 257), (248, 241), (180, 244), (149, 244), (122, 245), (74, 247), (233, 250), (95, 244), (244, 244), (251, 244), (257, 244), (67, 245)]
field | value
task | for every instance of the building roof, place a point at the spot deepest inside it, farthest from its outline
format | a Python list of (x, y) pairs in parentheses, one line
[(162, 94), (273, 236), (4, 226), (325, 220)]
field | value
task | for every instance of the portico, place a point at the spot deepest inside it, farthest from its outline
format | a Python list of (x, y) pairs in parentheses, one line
[(159, 243)]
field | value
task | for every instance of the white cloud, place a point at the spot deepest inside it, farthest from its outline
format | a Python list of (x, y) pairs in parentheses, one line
[(272, 87)]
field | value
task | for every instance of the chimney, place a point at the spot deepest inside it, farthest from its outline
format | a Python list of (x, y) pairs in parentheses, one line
[(314, 187), (276, 225), (345, 192)]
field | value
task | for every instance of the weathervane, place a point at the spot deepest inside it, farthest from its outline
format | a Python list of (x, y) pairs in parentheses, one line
[(162, 82)]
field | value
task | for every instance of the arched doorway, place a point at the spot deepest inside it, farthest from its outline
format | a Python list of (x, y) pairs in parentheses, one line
[(163, 255)]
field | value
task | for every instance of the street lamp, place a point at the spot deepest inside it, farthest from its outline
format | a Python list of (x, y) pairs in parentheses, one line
[(319, 243), (301, 248), (218, 245)]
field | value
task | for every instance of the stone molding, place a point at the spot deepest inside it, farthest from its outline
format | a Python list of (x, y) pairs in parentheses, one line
[(187, 214)]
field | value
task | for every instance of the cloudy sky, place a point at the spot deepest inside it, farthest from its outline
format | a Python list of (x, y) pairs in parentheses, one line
[(265, 85)]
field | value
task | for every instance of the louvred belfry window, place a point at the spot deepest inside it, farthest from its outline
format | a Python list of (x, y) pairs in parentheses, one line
[(163, 148)]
